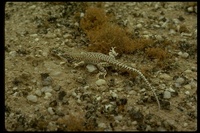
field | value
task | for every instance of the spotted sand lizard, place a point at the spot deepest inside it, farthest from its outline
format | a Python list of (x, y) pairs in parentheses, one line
[(101, 60)]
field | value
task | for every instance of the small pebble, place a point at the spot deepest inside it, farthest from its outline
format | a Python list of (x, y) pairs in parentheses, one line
[(38, 92), (194, 69), (32, 7), (190, 9), (98, 98), (47, 95), (165, 76), (50, 35), (185, 55), (148, 128), (134, 123), (142, 90), (102, 125), (185, 124), (56, 73), (57, 88), (14, 88), (33, 35), (187, 92), (47, 81), (171, 90), (91, 68), (114, 95), (195, 9), (47, 89), (13, 53), (188, 71), (120, 89), (50, 110), (100, 82), (68, 36), (161, 129), (180, 80), (167, 95), (32, 98), (118, 118), (82, 14), (188, 86), (139, 26), (37, 39)]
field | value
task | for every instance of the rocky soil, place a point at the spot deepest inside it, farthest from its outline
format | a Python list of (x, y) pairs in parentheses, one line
[(45, 93)]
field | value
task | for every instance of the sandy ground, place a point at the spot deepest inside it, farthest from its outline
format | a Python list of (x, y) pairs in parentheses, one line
[(43, 93)]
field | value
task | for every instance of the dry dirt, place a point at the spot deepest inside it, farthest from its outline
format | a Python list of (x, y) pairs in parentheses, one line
[(67, 98)]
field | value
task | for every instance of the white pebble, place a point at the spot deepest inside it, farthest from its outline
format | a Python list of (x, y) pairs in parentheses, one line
[(100, 82), (139, 26), (180, 80), (33, 35), (142, 90), (195, 9), (134, 123), (148, 128), (180, 53), (187, 92), (120, 89), (37, 39), (47, 95), (188, 71), (190, 9), (162, 129), (165, 76), (98, 98), (193, 84), (167, 95), (32, 7), (113, 94), (50, 110), (186, 34), (15, 94), (91, 68), (185, 55), (185, 124), (62, 63), (32, 98), (102, 125), (68, 36), (56, 73), (38, 92), (194, 69), (188, 86), (171, 90), (172, 32), (13, 53), (14, 88), (47, 89), (82, 14), (50, 35), (118, 118)]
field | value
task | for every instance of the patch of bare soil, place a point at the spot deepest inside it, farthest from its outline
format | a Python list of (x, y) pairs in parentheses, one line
[(46, 93)]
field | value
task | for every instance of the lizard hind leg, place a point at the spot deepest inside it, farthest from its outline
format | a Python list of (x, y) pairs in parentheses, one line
[(102, 70)]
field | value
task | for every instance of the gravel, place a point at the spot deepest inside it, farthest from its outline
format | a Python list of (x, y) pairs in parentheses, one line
[(100, 82), (166, 76), (167, 95), (91, 68), (43, 92)]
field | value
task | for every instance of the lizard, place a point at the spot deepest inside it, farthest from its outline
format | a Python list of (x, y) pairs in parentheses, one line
[(101, 60)]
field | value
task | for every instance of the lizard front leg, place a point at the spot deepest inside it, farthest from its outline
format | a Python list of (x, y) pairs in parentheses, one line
[(79, 64), (112, 52)]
